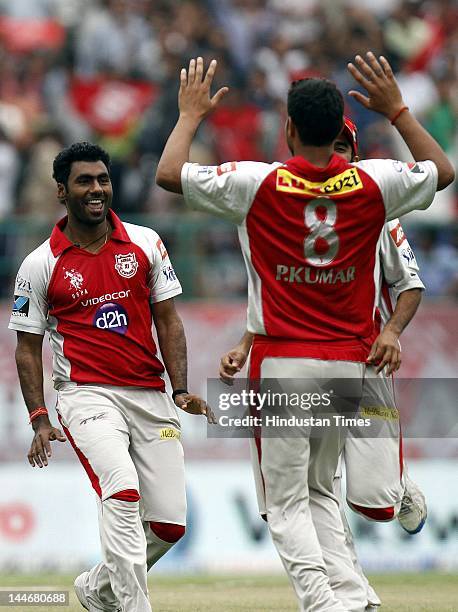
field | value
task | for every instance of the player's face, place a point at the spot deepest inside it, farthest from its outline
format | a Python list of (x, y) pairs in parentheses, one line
[(343, 148), (89, 192)]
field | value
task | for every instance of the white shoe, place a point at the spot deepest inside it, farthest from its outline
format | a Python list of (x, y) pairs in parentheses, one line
[(413, 512), (79, 590)]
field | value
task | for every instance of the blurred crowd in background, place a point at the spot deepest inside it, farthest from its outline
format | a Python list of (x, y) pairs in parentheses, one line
[(107, 71)]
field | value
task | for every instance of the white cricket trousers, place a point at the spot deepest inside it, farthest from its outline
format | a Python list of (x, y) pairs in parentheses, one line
[(303, 514), (128, 440)]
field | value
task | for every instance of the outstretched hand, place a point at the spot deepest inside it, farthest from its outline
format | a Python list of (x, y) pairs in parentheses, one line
[(193, 404), (377, 78), (194, 99)]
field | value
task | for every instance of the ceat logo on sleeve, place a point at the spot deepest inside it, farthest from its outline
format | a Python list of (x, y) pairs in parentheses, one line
[(162, 249), (226, 167), (397, 233)]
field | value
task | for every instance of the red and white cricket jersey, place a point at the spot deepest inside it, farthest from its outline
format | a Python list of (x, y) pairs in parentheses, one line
[(96, 306), (310, 239), (398, 268)]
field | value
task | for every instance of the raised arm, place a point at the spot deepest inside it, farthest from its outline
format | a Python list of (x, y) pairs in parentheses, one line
[(384, 97), (194, 103), (30, 370)]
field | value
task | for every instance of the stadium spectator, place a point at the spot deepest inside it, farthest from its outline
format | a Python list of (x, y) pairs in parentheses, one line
[(260, 46)]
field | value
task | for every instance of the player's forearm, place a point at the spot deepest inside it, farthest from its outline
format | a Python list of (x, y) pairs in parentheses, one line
[(246, 341), (30, 371), (172, 342), (423, 146), (406, 307), (176, 154)]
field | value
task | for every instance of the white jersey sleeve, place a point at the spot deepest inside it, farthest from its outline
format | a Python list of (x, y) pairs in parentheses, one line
[(399, 266), (30, 305), (404, 186), (227, 190), (163, 282)]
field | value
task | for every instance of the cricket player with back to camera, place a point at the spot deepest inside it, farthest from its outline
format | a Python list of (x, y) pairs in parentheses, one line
[(313, 217), (376, 465), (96, 285)]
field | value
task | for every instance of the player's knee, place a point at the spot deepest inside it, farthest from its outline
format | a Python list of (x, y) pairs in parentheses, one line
[(128, 495), (169, 532), (374, 514)]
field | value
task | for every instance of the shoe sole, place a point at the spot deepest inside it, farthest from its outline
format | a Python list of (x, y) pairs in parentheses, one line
[(418, 529)]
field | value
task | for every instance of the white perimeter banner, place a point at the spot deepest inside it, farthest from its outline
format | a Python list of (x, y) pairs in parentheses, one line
[(48, 521)]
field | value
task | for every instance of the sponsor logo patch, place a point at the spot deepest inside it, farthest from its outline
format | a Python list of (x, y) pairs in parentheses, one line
[(126, 265), (20, 306), (162, 249), (167, 433), (112, 317), (22, 284), (408, 255), (107, 297), (96, 417), (344, 182), (380, 412), (169, 273), (416, 168), (397, 233), (226, 167), (76, 281)]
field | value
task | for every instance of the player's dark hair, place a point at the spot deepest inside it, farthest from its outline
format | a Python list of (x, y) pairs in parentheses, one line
[(78, 151), (316, 108)]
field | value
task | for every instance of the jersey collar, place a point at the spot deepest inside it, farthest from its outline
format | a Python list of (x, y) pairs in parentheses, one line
[(301, 165), (60, 243)]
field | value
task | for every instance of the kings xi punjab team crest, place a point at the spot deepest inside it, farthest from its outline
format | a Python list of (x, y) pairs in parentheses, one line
[(126, 265)]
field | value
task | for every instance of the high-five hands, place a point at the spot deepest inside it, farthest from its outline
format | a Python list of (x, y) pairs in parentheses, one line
[(194, 99), (377, 78)]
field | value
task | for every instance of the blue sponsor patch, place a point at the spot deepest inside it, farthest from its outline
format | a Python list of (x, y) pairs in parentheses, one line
[(408, 255), (169, 273), (20, 306), (112, 317)]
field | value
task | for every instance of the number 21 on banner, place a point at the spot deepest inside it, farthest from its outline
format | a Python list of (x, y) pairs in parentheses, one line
[(322, 243)]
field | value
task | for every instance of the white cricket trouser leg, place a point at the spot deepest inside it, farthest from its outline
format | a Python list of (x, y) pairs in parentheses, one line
[(373, 456), (124, 551), (128, 440), (372, 597), (97, 585), (298, 474)]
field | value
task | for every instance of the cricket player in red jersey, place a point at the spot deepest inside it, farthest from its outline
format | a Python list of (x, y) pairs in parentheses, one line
[(309, 231), (95, 285), (386, 478)]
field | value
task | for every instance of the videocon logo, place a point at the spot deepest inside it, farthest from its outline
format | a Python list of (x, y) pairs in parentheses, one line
[(112, 317)]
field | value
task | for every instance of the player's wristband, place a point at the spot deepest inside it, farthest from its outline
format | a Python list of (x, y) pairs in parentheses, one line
[(398, 114), (37, 413), (178, 392)]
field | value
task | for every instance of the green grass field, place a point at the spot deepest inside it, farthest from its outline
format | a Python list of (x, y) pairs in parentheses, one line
[(431, 592)]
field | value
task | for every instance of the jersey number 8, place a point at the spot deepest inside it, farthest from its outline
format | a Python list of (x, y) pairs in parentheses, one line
[(322, 243)]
